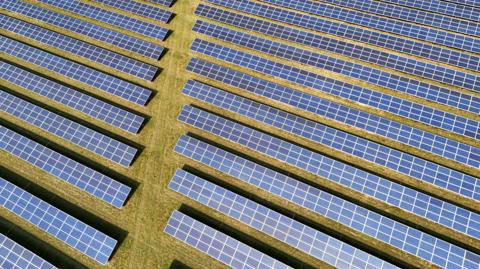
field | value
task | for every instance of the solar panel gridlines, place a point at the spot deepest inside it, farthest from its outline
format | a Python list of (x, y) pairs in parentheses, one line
[(67, 129), (96, 32), (80, 48), (280, 227), (106, 16), (56, 223), (139, 9), (218, 245), (79, 101), (64, 168), (15, 256), (167, 3)]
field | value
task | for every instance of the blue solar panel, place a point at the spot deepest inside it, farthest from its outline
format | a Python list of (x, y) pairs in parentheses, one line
[(64, 168), (383, 9), (442, 7), (116, 19), (91, 106), (281, 227), (315, 23), (81, 73), (84, 28), (218, 245), (365, 73), (402, 133), (389, 60), (358, 218), (473, 3), (14, 256), (80, 48), (385, 102), (139, 9), (56, 223), (167, 3), (78, 134)]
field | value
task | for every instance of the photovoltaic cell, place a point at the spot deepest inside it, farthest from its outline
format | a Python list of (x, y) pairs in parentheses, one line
[(315, 23), (389, 60), (139, 9), (382, 101), (78, 134), (56, 223), (368, 74), (472, 3), (166, 3), (80, 48), (358, 218), (81, 73), (443, 7), (116, 19), (281, 227), (86, 104), (343, 114), (218, 245), (64, 168), (383, 9), (14, 256), (99, 33), (412, 15)]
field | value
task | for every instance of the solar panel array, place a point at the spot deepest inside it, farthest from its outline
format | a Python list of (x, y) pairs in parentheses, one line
[(361, 72), (90, 30), (106, 16), (56, 223), (15, 256), (79, 101), (167, 3), (443, 7), (102, 81), (139, 9), (385, 102), (218, 245)]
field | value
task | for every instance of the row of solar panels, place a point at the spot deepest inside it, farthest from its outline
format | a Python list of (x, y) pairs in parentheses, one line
[(57, 223)]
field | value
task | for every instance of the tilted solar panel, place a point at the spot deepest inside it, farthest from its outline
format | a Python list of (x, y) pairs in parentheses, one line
[(315, 23), (64, 168), (80, 48), (443, 7), (56, 223), (86, 104), (382, 101), (361, 72), (473, 3), (358, 218), (166, 3), (116, 19), (81, 73), (103, 34), (67, 129), (14, 256), (342, 114), (281, 227), (382, 58), (218, 245), (139, 9)]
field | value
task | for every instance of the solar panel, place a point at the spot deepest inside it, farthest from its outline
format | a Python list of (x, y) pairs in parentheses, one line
[(442, 7), (361, 72), (366, 183), (64, 168), (406, 14), (281, 227), (79, 101), (116, 19), (472, 3), (218, 245), (81, 73), (56, 223), (103, 34), (382, 101), (14, 256), (392, 61), (342, 114), (139, 9), (358, 218), (78, 134), (167, 3), (80, 48), (315, 23), (383, 9)]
